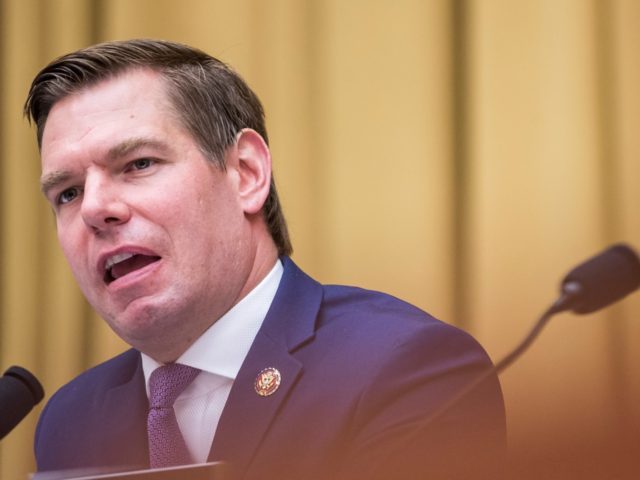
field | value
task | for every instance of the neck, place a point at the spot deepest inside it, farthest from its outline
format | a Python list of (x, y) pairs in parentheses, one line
[(169, 349)]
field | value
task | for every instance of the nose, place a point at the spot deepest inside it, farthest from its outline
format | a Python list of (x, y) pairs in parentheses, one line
[(103, 206)]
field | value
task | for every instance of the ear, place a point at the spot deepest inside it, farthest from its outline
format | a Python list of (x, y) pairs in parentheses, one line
[(254, 170)]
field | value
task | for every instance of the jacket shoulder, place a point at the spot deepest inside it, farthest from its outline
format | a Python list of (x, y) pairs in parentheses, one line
[(102, 377), (73, 420)]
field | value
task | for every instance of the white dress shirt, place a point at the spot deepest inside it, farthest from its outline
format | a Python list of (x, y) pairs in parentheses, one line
[(219, 353)]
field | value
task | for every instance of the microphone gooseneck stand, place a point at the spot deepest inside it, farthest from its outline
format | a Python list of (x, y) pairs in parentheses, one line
[(594, 284)]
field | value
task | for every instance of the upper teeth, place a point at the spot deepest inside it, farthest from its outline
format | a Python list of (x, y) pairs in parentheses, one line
[(111, 261)]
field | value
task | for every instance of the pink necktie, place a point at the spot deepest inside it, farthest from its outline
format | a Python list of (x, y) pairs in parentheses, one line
[(166, 445)]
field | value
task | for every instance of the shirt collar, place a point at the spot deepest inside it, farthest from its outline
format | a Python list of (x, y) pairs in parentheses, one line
[(222, 348)]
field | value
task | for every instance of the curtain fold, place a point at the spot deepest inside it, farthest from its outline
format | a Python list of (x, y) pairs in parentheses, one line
[(459, 154)]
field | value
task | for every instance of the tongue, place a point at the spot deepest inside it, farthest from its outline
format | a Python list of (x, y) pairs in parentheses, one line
[(129, 265)]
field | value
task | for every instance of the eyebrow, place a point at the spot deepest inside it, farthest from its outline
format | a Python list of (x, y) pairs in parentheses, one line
[(128, 146), (132, 144), (53, 179)]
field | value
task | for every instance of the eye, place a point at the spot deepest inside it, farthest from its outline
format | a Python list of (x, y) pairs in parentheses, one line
[(68, 195), (141, 164)]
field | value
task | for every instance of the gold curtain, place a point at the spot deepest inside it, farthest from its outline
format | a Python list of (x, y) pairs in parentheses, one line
[(460, 154)]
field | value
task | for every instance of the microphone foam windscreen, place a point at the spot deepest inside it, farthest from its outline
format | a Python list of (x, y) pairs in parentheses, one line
[(20, 391), (605, 278)]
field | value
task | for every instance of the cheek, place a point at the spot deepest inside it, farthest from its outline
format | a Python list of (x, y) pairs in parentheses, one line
[(70, 253), (74, 251), (214, 211)]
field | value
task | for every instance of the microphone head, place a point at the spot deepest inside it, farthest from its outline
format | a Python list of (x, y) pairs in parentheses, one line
[(20, 391), (602, 280)]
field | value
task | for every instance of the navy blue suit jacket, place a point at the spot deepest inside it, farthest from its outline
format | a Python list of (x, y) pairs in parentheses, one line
[(360, 369)]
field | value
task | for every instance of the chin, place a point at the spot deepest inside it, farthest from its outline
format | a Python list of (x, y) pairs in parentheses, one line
[(135, 325)]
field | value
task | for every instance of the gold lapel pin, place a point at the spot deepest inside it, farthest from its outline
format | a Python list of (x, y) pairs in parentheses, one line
[(267, 382)]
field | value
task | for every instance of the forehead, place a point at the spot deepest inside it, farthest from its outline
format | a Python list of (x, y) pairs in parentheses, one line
[(132, 103)]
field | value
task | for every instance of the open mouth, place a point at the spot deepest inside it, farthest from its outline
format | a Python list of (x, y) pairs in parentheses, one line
[(123, 264)]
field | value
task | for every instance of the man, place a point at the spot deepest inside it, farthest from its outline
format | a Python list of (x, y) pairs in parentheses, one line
[(155, 162)]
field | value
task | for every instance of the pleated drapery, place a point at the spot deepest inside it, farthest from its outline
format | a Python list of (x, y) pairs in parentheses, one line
[(459, 154)]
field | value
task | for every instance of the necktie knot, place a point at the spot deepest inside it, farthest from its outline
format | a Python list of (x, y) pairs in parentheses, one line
[(166, 383)]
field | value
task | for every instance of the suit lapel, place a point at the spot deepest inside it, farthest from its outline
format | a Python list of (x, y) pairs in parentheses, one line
[(289, 323), (123, 421), (247, 416)]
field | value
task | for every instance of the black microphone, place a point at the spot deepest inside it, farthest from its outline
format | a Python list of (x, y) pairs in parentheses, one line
[(20, 391), (600, 281), (594, 284)]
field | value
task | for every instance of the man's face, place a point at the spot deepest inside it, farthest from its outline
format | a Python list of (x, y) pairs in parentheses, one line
[(155, 234)]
